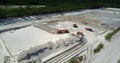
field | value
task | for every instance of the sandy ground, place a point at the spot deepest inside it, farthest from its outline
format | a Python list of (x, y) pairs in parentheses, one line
[(26, 37), (3, 52), (99, 20)]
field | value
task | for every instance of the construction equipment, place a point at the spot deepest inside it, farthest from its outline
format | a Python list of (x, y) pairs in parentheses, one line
[(89, 29), (80, 33), (75, 26), (62, 31)]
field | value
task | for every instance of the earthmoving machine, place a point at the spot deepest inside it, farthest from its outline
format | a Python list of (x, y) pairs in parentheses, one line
[(62, 31), (75, 26), (80, 33), (89, 29)]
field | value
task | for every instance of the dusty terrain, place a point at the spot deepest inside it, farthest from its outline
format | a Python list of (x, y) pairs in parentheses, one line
[(18, 41)]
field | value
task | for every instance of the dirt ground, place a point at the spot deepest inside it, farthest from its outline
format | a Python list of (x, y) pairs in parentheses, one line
[(85, 19)]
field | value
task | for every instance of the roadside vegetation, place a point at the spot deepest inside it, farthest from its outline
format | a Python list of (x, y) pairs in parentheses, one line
[(109, 35), (98, 48), (118, 61), (51, 6), (76, 59)]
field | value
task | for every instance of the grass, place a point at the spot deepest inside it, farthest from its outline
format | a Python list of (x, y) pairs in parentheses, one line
[(109, 35), (98, 48), (76, 59)]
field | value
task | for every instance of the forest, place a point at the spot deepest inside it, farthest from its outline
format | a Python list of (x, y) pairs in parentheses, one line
[(50, 6)]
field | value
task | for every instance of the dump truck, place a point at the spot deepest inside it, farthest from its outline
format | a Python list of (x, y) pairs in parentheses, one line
[(62, 31), (89, 29)]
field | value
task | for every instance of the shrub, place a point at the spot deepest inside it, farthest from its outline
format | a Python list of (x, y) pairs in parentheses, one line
[(73, 60), (76, 59), (98, 48), (109, 35), (118, 61)]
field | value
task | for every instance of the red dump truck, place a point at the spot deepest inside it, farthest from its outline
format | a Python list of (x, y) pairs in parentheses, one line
[(62, 31), (88, 29)]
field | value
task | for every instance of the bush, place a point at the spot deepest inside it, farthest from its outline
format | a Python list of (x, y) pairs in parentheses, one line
[(118, 61), (98, 48), (80, 58), (76, 60), (73, 60), (109, 35)]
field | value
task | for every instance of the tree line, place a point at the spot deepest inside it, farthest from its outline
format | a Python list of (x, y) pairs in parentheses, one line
[(52, 6), (51, 2)]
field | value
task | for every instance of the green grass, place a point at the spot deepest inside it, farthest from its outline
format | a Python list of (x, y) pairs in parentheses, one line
[(98, 48), (109, 35)]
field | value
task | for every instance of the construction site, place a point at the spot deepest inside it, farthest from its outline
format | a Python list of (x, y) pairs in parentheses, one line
[(58, 38)]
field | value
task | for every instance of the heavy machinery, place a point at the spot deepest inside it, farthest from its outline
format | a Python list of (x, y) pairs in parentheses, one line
[(89, 29), (80, 33), (62, 31), (75, 26)]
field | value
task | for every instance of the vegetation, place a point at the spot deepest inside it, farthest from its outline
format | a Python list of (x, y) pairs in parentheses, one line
[(98, 48), (109, 35), (52, 6), (118, 61), (76, 60)]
